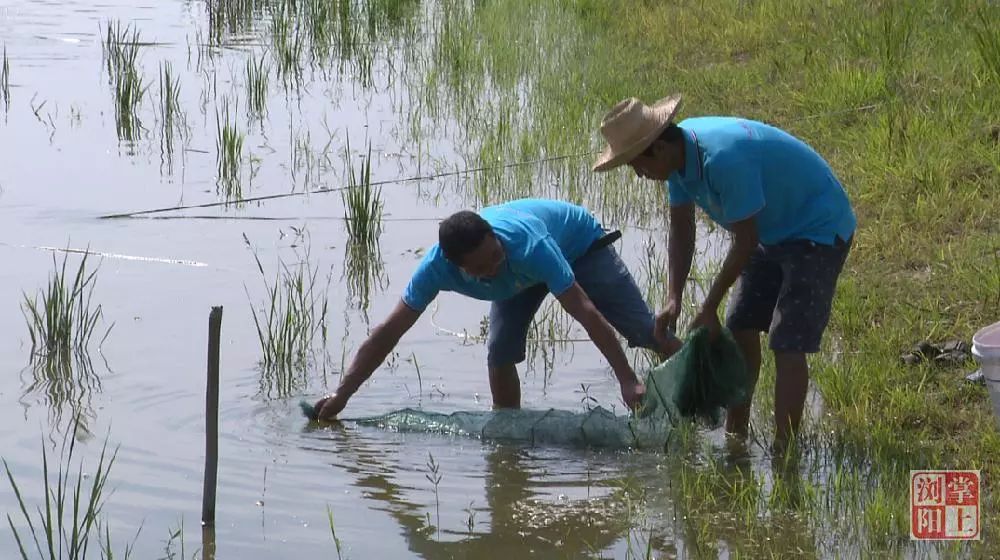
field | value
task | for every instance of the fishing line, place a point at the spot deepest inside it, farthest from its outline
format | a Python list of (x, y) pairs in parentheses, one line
[(431, 177)]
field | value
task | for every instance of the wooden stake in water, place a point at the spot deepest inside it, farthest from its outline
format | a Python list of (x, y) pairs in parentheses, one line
[(211, 419)]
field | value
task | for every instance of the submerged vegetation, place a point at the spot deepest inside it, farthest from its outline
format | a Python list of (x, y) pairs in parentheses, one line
[(121, 53), (257, 79), (228, 154), (292, 321), (61, 321), (172, 117), (363, 205), (70, 522), (287, 42)]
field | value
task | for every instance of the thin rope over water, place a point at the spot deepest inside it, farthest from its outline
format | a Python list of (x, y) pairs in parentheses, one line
[(431, 177), (337, 189)]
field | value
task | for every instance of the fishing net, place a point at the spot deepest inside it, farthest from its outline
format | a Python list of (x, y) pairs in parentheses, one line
[(697, 382)]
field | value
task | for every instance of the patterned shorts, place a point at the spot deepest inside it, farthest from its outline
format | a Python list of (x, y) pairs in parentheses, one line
[(787, 291)]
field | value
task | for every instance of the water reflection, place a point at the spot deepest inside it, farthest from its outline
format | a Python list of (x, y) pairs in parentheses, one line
[(208, 542), (364, 271), (518, 516), (740, 507), (66, 382)]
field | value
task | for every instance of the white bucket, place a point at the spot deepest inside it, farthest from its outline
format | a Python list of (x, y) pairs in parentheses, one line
[(986, 349)]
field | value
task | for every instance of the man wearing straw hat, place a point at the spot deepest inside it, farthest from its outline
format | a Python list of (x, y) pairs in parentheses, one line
[(790, 221), (515, 254)]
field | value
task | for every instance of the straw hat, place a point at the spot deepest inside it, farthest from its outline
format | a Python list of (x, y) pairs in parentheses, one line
[(631, 126)]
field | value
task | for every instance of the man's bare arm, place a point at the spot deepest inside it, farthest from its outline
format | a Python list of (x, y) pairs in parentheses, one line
[(370, 355), (576, 303)]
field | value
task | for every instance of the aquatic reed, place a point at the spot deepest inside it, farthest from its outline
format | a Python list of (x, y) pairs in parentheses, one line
[(292, 321), (63, 320), (256, 84), (229, 154), (121, 52), (171, 115), (69, 522)]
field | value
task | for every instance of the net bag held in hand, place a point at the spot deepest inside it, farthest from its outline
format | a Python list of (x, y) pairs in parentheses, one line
[(700, 380)]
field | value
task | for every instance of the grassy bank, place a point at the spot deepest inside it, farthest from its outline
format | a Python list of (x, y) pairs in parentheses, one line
[(902, 99)]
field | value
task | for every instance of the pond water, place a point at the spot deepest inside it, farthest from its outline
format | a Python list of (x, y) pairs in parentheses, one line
[(66, 160)]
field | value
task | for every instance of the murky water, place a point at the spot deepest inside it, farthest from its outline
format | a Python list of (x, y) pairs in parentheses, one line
[(62, 165)]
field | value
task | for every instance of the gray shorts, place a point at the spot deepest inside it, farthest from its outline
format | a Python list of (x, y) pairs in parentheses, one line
[(606, 281), (787, 291)]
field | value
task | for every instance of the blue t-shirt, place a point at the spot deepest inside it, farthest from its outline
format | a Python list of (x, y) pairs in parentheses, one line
[(737, 168), (540, 239)]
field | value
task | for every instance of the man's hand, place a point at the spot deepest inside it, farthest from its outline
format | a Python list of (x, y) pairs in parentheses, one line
[(666, 322), (708, 317), (632, 393), (330, 406), (382, 339), (745, 240)]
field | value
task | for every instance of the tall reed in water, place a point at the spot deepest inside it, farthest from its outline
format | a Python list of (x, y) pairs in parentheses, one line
[(63, 321), (257, 80), (121, 52), (363, 215), (362, 203), (229, 154), (293, 316), (69, 522), (171, 115)]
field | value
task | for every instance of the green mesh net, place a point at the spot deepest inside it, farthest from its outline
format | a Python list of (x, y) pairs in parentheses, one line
[(699, 381)]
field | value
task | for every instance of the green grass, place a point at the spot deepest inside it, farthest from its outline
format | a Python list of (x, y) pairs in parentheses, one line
[(232, 18), (257, 74), (287, 42), (229, 154), (172, 117), (987, 39), (121, 53), (901, 99), (292, 321), (363, 266), (69, 523), (333, 532), (434, 476), (176, 535), (362, 202), (61, 318)]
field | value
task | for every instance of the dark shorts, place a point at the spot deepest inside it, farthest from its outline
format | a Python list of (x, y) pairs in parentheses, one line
[(787, 291), (606, 281)]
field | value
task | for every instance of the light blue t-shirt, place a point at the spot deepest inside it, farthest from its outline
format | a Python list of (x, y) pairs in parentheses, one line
[(540, 239), (737, 168)]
